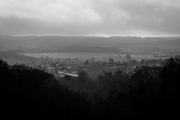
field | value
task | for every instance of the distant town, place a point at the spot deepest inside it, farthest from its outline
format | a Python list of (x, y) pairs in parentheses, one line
[(68, 55), (95, 68), (72, 66)]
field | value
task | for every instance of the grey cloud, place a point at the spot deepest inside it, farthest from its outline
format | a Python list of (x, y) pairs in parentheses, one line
[(88, 17)]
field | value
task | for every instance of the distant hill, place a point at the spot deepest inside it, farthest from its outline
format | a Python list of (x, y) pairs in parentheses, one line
[(148, 43)]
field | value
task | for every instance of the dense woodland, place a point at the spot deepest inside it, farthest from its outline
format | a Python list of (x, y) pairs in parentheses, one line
[(149, 93)]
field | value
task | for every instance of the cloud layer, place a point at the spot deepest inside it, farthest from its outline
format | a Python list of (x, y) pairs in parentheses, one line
[(90, 17)]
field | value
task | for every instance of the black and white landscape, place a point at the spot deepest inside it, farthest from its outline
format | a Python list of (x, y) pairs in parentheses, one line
[(90, 59)]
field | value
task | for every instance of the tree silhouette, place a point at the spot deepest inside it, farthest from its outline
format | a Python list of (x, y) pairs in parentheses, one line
[(37, 93), (170, 77), (128, 57), (149, 93), (83, 76)]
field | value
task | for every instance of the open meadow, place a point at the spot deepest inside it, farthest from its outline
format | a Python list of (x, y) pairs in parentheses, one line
[(86, 56)]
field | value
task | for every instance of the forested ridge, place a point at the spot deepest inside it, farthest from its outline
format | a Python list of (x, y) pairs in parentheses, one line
[(88, 43), (149, 93)]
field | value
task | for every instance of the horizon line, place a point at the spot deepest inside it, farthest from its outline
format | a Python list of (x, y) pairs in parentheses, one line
[(94, 36)]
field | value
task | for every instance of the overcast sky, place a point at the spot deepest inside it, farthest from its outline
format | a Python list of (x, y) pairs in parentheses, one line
[(90, 17)]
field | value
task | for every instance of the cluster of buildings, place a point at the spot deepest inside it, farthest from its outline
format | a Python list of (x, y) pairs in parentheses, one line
[(59, 69), (92, 68)]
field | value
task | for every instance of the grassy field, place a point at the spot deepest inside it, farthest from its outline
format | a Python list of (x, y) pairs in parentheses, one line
[(85, 56)]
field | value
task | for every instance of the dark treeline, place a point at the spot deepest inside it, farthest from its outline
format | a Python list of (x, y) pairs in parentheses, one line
[(149, 93), (27, 92)]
